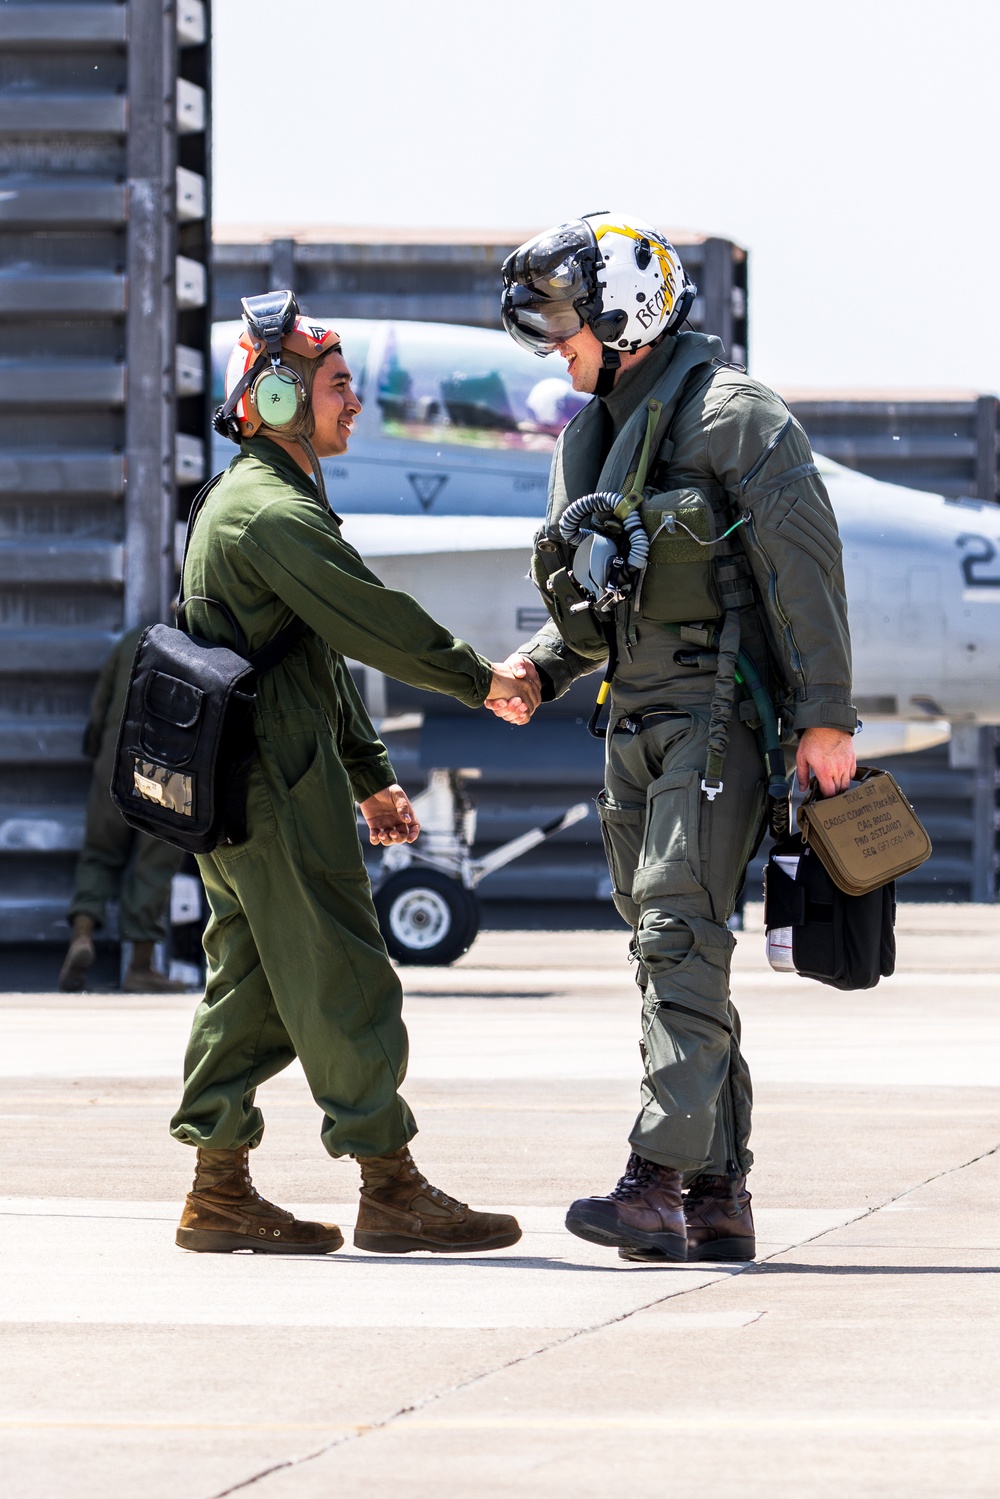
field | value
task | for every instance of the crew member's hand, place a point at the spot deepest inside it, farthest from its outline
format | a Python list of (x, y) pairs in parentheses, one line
[(828, 754), (515, 692), (390, 817), (523, 666)]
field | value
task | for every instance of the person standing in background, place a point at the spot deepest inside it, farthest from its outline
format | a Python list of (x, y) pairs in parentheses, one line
[(115, 861)]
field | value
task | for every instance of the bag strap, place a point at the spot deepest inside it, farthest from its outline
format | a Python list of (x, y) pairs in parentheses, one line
[(276, 649), (273, 651), (197, 505), (635, 483), (660, 421), (234, 625), (861, 773)]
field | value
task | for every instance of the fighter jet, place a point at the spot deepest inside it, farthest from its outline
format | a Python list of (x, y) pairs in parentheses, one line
[(444, 486), (443, 489)]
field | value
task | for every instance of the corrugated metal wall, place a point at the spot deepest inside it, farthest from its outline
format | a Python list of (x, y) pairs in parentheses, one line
[(945, 445), (104, 294), (438, 281)]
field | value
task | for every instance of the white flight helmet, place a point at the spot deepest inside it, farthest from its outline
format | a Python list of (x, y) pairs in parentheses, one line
[(614, 273)]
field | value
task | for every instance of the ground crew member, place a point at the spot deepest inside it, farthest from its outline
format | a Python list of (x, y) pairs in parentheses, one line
[(677, 432), (296, 962), (115, 860)]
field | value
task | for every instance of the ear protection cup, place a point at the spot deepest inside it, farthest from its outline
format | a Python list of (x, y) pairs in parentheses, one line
[(279, 396), (270, 371)]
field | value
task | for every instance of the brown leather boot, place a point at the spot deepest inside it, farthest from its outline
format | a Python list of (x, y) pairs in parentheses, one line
[(142, 978), (79, 955), (223, 1212), (401, 1211), (644, 1212), (719, 1220)]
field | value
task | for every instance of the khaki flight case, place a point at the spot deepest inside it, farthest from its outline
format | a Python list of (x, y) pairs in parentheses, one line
[(867, 836)]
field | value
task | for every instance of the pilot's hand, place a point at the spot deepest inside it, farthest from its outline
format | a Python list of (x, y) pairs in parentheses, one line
[(523, 666), (390, 817), (515, 692), (828, 754)]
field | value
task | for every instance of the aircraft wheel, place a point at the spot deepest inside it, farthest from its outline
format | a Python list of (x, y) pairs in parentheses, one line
[(426, 917)]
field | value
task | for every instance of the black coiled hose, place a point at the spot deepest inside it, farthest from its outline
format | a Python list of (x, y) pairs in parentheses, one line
[(574, 528)]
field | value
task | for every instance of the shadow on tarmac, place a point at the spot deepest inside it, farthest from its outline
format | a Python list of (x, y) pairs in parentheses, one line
[(427, 1260)]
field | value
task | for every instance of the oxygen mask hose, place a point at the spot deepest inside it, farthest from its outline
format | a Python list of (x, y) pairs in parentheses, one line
[(583, 518), (749, 679), (576, 521)]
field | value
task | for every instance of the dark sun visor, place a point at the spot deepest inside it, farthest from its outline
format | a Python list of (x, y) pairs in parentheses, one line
[(549, 283)]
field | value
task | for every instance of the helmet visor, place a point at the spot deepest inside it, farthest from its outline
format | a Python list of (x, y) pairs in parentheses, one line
[(535, 324), (548, 285)]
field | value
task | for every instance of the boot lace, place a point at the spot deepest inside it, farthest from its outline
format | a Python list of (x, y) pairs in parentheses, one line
[(639, 1175), (434, 1193), (243, 1172)]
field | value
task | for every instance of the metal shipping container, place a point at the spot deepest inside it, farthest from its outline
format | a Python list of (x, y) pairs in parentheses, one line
[(104, 290)]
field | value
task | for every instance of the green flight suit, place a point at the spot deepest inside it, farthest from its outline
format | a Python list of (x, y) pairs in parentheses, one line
[(677, 859), (296, 962), (115, 860)]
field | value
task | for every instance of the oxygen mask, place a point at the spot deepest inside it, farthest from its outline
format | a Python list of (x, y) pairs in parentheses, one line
[(619, 549)]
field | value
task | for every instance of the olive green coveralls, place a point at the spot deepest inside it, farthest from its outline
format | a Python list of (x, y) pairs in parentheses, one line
[(678, 860), (296, 962), (115, 860)]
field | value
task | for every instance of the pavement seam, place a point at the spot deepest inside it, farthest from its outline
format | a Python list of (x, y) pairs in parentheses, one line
[(433, 1398), (581, 1332), (984, 1155)]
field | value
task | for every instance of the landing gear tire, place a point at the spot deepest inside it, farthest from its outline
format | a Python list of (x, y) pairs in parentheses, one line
[(426, 918)]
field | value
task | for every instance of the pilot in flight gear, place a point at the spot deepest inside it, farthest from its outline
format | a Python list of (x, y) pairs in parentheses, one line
[(716, 567), (296, 963)]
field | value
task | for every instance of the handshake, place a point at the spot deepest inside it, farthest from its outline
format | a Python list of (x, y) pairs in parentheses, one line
[(515, 691)]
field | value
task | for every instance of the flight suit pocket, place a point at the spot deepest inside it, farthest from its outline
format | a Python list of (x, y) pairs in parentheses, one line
[(261, 821), (670, 856), (809, 526), (621, 828), (324, 817)]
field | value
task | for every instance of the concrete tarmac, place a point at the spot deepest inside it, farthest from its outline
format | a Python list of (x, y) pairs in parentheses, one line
[(859, 1355)]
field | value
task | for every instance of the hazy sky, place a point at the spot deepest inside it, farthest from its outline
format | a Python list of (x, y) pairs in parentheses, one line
[(851, 147)]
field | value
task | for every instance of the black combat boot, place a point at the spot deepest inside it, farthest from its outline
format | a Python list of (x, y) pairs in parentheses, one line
[(719, 1222), (644, 1212)]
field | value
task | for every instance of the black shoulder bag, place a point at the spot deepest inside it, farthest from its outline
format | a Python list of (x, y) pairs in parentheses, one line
[(186, 742), (816, 929)]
